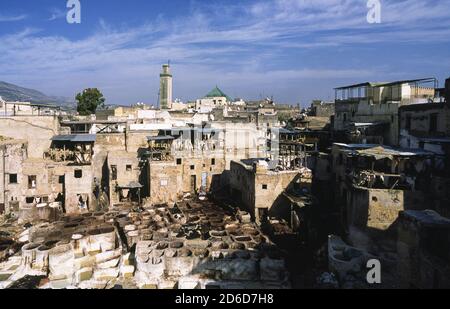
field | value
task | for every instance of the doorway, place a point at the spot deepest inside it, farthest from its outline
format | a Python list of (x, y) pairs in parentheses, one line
[(193, 184)]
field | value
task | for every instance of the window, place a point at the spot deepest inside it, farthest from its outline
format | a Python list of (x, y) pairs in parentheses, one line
[(433, 123), (179, 161), (29, 200), (61, 179), (31, 181), (129, 167), (12, 178), (374, 199), (114, 172), (408, 122), (345, 117), (264, 187), (78, 174), (192, 167), (213, 161)]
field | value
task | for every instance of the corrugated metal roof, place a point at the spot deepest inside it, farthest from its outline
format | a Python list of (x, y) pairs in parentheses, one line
[(381, 152), (384, 84), (76, 138), (160, 138), (131, 185)]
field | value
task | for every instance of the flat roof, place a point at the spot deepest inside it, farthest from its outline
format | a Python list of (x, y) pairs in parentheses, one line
[(32, 104), (369, 124), (160, 138), (384, 84), (91, 122), (427, 217), (75, 138), (381, 151), (131, 185), (421, 107)]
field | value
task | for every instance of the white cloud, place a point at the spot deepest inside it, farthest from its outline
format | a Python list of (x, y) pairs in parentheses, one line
[(12, 18), (239, 52), (56, 14)]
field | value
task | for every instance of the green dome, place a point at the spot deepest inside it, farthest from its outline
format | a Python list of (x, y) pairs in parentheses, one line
[(216, 92)]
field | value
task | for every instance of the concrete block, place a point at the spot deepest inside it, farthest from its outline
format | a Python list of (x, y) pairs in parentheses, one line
[(84, 274), (108, 255), (127, 271), (106, 274), (109, 264), (85, 261)]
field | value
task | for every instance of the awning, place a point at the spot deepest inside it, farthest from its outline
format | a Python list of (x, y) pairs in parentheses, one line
[(160, 138), (380, 153), (131, 185), (75, 138), (369, 124)]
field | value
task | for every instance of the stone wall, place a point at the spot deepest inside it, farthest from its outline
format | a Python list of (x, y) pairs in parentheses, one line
[(379, 208), (37, 130)]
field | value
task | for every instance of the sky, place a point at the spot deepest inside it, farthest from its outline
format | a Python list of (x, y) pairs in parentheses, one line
[(293, 50)]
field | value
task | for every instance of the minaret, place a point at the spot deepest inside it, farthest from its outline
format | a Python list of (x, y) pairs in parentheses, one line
[(165, 88)]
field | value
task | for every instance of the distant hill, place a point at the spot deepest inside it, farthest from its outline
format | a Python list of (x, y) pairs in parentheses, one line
[(10, 92)]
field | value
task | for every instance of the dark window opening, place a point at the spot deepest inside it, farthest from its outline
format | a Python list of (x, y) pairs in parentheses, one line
[(408, 122), (61, 179), (192, 167), (114, 172), (12, 178), (433, 123), (31, 181), (29, 200), (421, 145), (129, 167), (213, 161), (78, 173), (374, 199), (264, 187), (179, 161)]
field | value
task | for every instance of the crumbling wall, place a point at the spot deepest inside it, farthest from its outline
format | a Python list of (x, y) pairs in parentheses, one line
[(165, 182), (125, 175), (37, 130), (379, 208), (77, 189), (269, 187), (242, 185), (13, 152), (170, 180), (423, 245)]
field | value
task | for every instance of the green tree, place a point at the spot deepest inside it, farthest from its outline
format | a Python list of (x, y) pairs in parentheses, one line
[(89, 100)]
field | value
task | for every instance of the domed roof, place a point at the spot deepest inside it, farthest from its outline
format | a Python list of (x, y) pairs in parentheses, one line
[(216, 92)]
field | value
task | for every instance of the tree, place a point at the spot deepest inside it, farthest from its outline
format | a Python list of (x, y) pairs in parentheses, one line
[(89, 100)]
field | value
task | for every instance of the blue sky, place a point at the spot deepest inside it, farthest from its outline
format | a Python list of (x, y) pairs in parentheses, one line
[(295, 50)]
